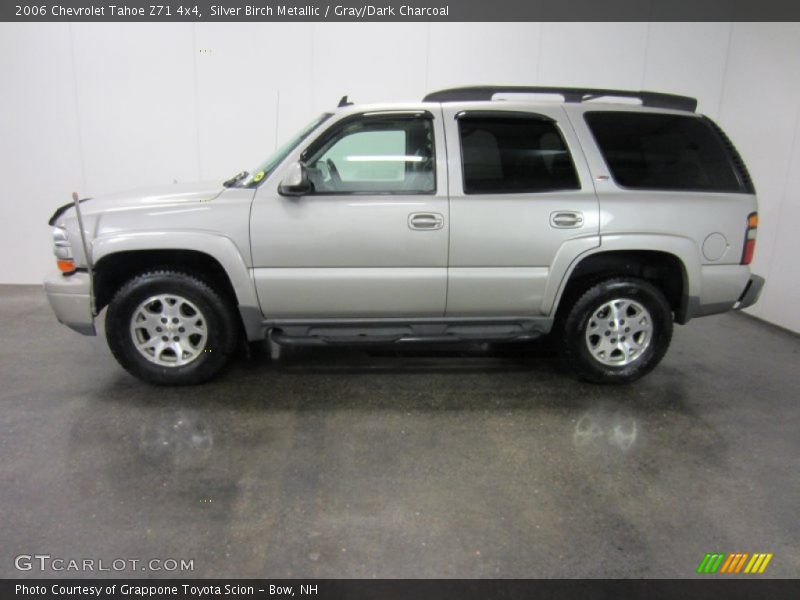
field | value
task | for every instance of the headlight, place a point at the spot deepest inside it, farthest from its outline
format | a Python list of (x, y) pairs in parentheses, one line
[(63, 250)]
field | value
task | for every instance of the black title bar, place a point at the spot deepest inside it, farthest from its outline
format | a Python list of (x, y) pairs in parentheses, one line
[(392, 589), (398, 10)]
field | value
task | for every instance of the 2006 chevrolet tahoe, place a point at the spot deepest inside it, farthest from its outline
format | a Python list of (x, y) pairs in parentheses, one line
[(484, 213)]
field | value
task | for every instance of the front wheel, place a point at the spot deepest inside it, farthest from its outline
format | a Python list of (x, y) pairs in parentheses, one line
[(170, 328), (615, 332)]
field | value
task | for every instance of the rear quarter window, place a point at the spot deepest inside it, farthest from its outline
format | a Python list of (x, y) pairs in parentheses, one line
[(658, 151)]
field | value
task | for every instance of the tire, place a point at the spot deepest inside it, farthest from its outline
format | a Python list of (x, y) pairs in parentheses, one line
[(603, 335), (197, 326)]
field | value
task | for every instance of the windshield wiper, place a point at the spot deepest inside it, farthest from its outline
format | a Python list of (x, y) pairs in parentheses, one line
[(235, 179)]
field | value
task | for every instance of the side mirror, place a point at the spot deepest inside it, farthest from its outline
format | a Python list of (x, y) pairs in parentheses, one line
[(296, 182)]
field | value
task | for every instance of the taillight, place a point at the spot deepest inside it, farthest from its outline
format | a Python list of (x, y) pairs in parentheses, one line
[(750, 239)]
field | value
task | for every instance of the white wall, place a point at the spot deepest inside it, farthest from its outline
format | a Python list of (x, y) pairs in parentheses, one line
[(103, 107)]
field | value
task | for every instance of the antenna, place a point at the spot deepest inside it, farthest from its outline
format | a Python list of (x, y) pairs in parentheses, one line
[(344, 102), (87, 256)]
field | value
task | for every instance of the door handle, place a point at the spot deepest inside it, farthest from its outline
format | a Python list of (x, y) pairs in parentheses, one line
[(564, 219), (425, 221)]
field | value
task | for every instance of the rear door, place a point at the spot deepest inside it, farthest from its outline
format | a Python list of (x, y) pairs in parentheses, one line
[(520, 197)]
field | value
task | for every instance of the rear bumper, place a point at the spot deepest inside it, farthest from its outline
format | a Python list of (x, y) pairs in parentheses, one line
[(751, 292), (722, 288), (70, 298)]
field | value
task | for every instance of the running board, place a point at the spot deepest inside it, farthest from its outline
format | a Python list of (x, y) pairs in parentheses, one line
[(290, 332)]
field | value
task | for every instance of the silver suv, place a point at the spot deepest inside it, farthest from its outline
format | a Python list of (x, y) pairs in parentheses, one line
[(482, 213)]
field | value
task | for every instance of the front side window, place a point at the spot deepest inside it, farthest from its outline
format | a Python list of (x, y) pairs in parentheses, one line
[(375, 154), (663, 152), (514, 154)]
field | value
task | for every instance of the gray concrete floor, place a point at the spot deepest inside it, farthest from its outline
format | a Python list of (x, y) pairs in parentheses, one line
[(436, 463)]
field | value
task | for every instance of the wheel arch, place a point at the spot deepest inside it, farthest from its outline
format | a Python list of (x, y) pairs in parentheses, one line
[(670, 263), (213, 257)]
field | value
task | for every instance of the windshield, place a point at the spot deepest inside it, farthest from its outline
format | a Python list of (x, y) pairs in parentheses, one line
[(251, 178)]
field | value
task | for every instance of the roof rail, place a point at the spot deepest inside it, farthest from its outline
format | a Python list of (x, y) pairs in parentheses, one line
[(487, 92)]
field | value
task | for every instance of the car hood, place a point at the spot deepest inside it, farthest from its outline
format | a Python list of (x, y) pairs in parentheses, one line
[(164, 195)]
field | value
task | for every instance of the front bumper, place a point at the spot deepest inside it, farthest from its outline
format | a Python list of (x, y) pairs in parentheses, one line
[(70, 296), (751, 292)]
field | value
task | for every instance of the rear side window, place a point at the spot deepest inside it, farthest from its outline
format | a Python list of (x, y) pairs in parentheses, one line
[(667, 152), (514, 154)]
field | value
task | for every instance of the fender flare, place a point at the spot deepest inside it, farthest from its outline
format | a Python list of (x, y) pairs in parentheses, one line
[(572, 253), (217, 246)]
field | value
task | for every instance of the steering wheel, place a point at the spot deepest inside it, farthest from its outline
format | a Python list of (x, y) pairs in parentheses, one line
[(336, 180)]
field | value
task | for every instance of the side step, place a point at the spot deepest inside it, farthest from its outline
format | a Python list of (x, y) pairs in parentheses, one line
[(400, 331)]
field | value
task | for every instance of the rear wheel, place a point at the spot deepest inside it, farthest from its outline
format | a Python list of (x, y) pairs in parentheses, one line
[(171, 328), (615, 332)]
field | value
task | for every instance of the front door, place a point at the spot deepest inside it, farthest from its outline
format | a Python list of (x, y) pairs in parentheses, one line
[(370, 240), (520, 193)]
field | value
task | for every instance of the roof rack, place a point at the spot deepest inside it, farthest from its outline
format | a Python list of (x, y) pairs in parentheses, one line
[(474, 93)]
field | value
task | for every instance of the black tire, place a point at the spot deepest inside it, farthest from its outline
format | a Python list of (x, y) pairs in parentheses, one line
[(220, 324), (570, 331)]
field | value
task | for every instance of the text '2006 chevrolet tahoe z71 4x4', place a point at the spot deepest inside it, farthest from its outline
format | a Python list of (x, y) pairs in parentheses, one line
[(462, 217)]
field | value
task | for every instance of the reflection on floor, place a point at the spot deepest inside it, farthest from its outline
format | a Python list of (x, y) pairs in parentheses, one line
[(469, 462)]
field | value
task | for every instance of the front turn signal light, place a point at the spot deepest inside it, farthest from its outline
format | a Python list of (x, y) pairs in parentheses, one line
[(66, 265)]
